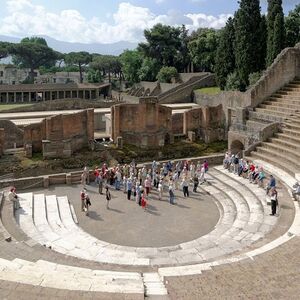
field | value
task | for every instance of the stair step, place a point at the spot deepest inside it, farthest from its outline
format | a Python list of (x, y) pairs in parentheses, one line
[(291, 132), (283, 104), (291, 125), (280, 141), (278, 108), (279, 156), (288, 137), (272, 112), (289, 168), (295, 154)]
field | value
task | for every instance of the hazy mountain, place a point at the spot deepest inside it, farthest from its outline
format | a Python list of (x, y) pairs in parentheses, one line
[(66, 47)]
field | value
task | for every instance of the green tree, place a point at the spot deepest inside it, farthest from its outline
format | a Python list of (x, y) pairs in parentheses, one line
[(203, 48), (78, 59), (149, 69), (5, 49), (33, 53), (292, 27), (131, 61), (247, 38), (94, 76), (225, 61), (276, 30), (166, 44), (167, 74), (233, 82)]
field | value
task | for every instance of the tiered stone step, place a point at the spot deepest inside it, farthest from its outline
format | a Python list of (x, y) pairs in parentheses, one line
[(237, 228), (51, 275)]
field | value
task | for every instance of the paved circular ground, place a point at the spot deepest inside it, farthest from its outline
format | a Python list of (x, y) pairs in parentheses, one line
[(127, 224)]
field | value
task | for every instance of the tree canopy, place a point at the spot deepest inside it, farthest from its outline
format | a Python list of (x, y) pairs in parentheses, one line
[(292, 27), (33, 53), (80, 59)]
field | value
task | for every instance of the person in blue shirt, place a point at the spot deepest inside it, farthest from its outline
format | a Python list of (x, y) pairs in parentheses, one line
[(271, 184)]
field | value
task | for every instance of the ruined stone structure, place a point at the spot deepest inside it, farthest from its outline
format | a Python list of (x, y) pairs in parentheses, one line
[(146, 124), (149, 124), (174, 92), (207, 123), (45, 92), (55, 136), (60, 78), (61, 135), (266, 117), (9, 74)]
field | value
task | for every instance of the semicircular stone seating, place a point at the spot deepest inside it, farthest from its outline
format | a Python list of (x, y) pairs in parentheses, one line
[(244, 219), (48, 220)]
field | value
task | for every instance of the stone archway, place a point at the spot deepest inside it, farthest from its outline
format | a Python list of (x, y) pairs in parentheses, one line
[(237, 147)]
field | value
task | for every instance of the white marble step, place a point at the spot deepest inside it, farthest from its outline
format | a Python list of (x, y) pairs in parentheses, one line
[(25, 221), (40, 218), (58, 276), (153, 284)]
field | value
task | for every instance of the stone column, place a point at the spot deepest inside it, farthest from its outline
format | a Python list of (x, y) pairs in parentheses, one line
[(90, 94), (7, 97), (15, 97), (77, 93), (64, 94)]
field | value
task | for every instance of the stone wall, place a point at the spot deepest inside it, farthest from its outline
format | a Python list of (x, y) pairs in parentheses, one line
[(61, 135), (146, 124), (184, 93), (207, 122), (13, 135), (177, 123), (34, 134)]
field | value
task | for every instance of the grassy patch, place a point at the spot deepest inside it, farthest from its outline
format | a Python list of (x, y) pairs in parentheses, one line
[(4, 107), (214, 90)]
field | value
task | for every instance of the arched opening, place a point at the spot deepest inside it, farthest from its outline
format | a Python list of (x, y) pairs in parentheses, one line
[(237, 147)]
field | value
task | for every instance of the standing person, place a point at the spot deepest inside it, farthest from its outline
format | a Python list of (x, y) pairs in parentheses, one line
[(100, 183), (202, 174), (205, 164), (296, 190), (12, 196), (87, 203), (87, 174), (196, 183), (118, 177), (185, 186), (83, 179), (274, 201), (97, 174), (129, 189), (144, 202), (147, 185), (125, 180), (108, 196), (82, 198), (271, 184), (137, 193), (171, 193), (192, 170), (160, 190)]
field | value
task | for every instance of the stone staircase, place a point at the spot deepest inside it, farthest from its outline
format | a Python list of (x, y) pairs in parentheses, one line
[(283, 149)]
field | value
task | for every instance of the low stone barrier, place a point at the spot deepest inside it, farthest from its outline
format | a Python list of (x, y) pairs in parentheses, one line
[(75, 177)]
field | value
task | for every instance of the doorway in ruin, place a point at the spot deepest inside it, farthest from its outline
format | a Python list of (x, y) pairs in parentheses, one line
[(237, 147)]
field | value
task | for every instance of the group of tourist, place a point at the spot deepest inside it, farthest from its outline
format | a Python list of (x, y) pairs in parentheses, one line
[(138, 182), (254, 173)]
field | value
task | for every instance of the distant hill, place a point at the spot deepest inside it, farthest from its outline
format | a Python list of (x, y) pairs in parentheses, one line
[(66, 47)]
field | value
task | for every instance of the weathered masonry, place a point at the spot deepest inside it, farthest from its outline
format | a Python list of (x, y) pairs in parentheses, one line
[(44, 92)]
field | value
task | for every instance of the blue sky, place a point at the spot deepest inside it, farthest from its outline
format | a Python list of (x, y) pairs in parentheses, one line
[(113, 20)]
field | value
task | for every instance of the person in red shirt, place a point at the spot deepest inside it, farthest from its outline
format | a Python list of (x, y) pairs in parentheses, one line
[(144, 202)]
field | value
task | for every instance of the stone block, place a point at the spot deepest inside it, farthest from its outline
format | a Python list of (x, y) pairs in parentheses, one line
[(192, 136), (69, 179), (119, 142), (28, 150), (46, 181)]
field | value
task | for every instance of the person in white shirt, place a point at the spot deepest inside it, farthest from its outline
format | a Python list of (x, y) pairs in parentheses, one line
[(296, 190), (12, 196)]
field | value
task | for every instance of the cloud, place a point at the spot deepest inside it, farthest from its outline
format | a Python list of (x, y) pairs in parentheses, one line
[(202, 20), (24, 18)]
